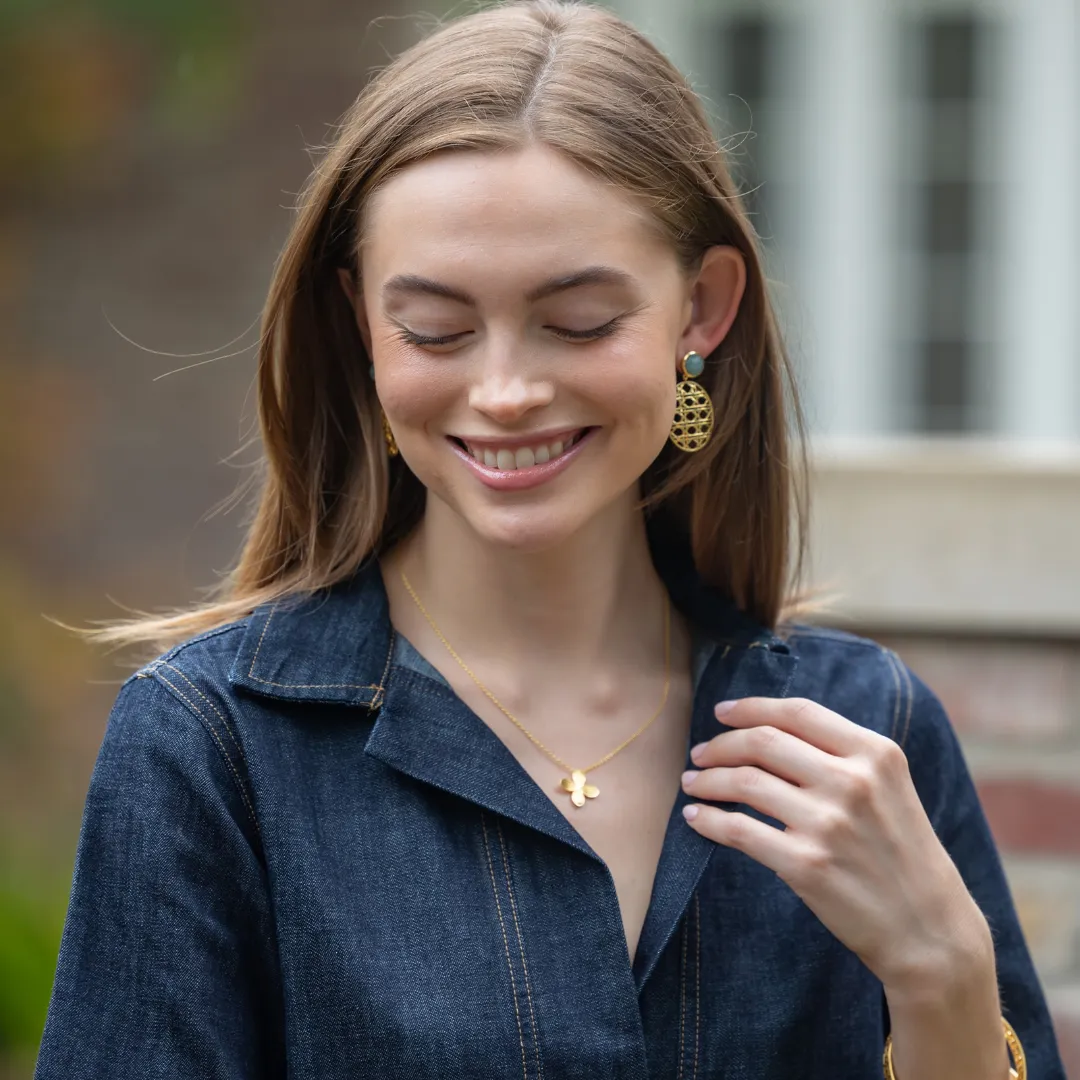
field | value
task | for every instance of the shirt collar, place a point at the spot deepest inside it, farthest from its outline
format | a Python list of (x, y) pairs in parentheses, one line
[(332, 646), (336, 645)]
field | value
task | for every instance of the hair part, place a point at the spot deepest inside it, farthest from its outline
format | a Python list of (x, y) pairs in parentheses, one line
[(580, 81)]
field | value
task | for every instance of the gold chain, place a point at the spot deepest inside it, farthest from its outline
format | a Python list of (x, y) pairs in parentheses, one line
[(576, 786)]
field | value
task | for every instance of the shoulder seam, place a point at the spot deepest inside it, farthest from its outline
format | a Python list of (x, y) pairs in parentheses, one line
[(903, 703), (841, 637), (221, 716), (176, 650), (154, 671)]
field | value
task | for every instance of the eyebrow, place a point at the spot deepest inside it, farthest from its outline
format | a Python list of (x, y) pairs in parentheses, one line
[(414, 284)]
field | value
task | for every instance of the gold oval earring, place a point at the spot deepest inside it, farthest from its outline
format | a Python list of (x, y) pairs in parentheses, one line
[(388, 435), (693, 422)]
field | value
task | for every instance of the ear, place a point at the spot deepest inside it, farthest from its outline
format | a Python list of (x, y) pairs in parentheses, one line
[(715, 294), (348, 286), (356, 302)]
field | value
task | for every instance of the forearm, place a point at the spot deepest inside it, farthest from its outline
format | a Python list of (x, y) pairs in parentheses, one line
[(947, 1026)]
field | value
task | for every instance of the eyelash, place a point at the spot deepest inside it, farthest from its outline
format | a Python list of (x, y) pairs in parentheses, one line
[(594, 334)]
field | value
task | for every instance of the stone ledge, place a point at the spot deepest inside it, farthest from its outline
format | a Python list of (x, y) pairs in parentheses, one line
[(948, 535), (1053, 766)]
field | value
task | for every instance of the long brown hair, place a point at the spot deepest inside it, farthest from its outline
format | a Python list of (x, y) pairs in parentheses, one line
[(580, 81)]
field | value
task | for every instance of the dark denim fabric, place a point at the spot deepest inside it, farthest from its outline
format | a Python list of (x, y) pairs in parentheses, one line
[(302, 855)]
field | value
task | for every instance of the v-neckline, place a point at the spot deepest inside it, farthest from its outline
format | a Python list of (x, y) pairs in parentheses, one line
[(427, 732)]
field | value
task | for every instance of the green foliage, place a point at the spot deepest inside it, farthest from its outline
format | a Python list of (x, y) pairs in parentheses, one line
[(31, 921), (78, 77), (181, 22)]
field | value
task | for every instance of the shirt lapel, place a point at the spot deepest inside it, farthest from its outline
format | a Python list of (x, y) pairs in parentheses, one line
[(336, 647), (761, 669), (426, 731)]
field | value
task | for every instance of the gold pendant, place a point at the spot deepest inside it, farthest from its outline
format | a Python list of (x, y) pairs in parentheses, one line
[(578, 789)]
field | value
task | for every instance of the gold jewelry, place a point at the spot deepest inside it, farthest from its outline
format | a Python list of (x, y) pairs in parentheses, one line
[(576, 785), (1013, 1043), (388, 435), (693, 423)]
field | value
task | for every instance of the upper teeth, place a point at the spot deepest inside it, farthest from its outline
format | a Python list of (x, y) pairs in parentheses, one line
[(522, 457)]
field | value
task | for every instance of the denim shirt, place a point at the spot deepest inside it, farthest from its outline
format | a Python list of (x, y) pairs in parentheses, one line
[(302, 855)]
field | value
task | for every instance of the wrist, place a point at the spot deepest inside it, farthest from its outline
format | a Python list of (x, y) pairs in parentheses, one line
[(945, 1017), (946, 970)]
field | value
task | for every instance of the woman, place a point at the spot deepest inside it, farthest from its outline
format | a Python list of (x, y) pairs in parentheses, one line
[(416, 797)]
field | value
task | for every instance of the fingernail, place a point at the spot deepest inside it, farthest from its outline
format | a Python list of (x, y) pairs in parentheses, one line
[(689, 777), (698, 751), (723, 708), (690, 812)]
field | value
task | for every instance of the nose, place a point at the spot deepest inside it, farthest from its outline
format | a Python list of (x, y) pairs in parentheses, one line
[(506, 391)]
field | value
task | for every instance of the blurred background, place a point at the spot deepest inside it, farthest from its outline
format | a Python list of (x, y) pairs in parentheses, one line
[(913, 168)]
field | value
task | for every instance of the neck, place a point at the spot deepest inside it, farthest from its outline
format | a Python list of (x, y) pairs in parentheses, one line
[(591, 598)]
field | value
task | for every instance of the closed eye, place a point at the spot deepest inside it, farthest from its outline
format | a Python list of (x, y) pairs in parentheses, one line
[(569, 335), (588, 335), (419, 339)]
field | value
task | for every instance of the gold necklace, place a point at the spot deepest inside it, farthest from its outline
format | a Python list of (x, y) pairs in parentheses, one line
[(575, 785)]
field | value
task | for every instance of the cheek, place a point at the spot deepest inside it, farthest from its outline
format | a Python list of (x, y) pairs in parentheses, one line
[(414, 388), (637, 386), (642, 398)]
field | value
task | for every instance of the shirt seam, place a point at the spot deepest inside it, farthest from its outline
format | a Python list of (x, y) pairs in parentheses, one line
[(506, 947), (904, 697), (224, 721), (209, 726), (521, 949)]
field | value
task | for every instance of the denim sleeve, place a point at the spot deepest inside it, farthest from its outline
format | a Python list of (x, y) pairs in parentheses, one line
[(167, 965), (944, 784)]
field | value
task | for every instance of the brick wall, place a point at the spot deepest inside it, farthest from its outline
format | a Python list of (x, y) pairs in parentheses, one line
[(1016, 707), (961, 555)]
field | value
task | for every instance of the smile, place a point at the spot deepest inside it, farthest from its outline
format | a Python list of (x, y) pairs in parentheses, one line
[(521, 463), (522, 457)]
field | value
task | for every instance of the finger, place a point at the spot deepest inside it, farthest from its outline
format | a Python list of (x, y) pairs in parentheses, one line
[(780, 752), (774, 848), (747, 784), (808, 720)]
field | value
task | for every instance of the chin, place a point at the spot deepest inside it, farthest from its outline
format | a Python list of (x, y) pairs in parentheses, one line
[(543, 518), (531, 530)]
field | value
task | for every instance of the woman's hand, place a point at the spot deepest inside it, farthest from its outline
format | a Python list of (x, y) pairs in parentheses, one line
[(858, 847)]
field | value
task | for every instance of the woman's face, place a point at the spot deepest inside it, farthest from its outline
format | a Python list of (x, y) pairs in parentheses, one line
[(526, 322)]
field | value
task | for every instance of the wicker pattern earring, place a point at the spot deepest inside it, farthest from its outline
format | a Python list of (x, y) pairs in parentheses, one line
[(388, 435), (693, 423)]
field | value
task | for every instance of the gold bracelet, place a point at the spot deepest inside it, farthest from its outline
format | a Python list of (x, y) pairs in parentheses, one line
[(1017, 1071)]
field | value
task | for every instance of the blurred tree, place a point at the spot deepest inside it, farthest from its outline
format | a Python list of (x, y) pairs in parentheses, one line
[(77, 80), (147, 144), (30, 928), (82, 85)]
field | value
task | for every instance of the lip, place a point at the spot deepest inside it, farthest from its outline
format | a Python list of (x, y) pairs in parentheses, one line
[(522, 479)]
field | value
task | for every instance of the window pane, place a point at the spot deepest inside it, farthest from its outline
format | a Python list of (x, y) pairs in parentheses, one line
[(946, 384)]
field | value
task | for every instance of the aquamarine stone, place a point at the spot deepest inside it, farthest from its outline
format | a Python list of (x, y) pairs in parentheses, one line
[(694, 364)]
